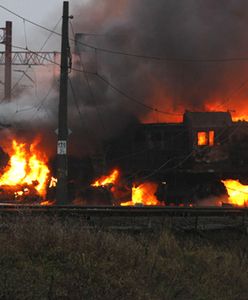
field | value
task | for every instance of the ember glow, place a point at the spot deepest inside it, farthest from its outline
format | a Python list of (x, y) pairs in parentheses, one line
[(27, 167), (108, 179), (205, 138), (53, 182), (47, 203), (237, 192), (202, 138), (143, 194)]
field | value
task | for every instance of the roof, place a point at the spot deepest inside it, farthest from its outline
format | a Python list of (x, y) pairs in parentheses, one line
[(207, 119)]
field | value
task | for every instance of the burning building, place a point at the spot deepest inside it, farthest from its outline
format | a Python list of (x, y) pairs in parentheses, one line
[(152, 164), (186, 161)]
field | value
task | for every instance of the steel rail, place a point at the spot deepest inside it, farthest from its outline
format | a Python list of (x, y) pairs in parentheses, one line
[(123, 211)]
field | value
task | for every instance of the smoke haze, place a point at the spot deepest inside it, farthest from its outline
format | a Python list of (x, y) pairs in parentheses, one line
[(167, 29)]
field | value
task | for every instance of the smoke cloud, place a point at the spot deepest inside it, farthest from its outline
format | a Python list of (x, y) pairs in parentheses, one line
[(191, 30)]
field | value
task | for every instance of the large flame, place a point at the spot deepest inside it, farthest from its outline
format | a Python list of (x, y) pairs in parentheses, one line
[(143, 194), (237, 192), (108, 179), (27, 166)]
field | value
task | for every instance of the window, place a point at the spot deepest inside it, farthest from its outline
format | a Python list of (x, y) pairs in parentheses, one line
[(205, 138), (211, 138)]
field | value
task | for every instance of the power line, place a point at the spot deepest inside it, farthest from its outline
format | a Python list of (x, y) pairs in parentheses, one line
[(89, 134), (117, 89), (51, 33), (229, 98), (42, 47), (104, 80), (135, 55), (132, 99), (29, 21), (184, 159), (42, 102), (89, 86), (44, 57), (24, 72)]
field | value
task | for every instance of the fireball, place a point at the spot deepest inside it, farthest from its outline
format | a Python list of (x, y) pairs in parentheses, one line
[(27, 167)]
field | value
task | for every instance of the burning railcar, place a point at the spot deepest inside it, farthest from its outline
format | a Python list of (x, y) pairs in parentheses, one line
[(151, 164), (187, 160)]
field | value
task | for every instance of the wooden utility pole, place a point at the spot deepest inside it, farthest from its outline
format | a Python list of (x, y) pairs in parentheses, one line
[(62, 168), (8, 57)]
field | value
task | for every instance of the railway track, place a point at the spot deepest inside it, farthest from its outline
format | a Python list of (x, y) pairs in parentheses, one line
[(138, 218), (125, 211)]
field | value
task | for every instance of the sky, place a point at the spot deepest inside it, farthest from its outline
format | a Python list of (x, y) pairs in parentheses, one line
[(45, 12), (206, 32)]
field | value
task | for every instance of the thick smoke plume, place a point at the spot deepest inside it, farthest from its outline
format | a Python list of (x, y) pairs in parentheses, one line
[(192, 30), (188, 30)]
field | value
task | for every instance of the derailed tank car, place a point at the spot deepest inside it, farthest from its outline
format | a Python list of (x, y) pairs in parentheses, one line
[(188, 160)]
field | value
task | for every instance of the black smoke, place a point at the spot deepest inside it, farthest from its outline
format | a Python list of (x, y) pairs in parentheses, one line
[(191, 30)]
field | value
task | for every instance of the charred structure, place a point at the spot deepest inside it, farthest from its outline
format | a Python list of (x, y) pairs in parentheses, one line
[(187, 160)]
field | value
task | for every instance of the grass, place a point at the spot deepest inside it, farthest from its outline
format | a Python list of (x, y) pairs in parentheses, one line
[(45, 258)]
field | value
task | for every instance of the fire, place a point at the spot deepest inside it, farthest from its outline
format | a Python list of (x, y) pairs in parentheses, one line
[(205, 138), (27, 167), (202, 138), (109, 179), (211, 138), (143, 194), (47, 203), (53, 182), (237, 192), (240, 112)]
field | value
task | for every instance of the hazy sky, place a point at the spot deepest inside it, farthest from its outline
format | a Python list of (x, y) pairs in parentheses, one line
[(45, 12)]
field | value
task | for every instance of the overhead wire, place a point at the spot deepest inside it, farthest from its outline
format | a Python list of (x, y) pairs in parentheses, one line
[(42, 101), (78, 107), (132, 99), (114, 52), (120, 91), (132, 55), (229, 98), (86, 72), (148, 107), (89, 87), (52, 31), (26, 49), (38, 107), (184, 159), (135, 55)]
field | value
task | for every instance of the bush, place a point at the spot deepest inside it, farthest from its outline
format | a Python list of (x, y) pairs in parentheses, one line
[(45, 258)]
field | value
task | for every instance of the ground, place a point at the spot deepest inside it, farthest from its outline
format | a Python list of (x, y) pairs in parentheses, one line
[(51, 258)]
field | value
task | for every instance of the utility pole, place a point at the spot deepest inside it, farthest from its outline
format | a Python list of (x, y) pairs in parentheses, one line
[(8, 57), (62, 168)]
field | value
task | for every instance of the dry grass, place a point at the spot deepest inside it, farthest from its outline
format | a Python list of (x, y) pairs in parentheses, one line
[(43, 258)]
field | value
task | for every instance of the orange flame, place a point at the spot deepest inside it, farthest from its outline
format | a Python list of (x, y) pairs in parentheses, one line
[(211, 138), (205, 138), (237, 192), (47, 203), (202, 138), (109, 179), (143, 194), (26, 167), (53, 182)]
